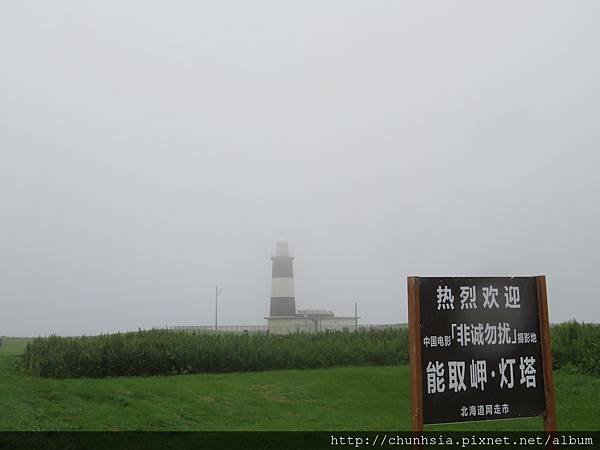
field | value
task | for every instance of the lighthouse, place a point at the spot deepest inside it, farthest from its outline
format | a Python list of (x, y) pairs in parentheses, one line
[(283, 316), (283, 298)]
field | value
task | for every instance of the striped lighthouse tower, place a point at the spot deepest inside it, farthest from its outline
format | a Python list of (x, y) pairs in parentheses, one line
[(283, 299)]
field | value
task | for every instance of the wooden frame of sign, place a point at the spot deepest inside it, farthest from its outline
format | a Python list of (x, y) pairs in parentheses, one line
[(522, 329)]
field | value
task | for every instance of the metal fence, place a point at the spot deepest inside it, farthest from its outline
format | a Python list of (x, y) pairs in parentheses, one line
[(264, 329)]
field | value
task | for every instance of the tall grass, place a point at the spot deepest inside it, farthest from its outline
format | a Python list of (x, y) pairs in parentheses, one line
[(575, 347), (161, 352)]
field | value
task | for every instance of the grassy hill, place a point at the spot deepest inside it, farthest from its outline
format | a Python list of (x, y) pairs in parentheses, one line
[(350, 398)]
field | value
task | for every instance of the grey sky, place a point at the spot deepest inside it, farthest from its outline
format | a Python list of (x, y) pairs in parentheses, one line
[(149, 150)]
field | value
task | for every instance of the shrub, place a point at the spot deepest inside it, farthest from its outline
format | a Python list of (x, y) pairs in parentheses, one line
[(575, 347), (162, 352)]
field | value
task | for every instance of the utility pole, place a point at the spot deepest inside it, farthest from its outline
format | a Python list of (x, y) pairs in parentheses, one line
[(355, 316), (217, 291)]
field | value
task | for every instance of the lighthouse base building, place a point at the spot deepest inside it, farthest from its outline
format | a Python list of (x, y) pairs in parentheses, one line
[(283, 317), (311, 321)]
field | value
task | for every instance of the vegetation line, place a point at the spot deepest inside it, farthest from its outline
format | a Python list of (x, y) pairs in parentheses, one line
[(575, 347)]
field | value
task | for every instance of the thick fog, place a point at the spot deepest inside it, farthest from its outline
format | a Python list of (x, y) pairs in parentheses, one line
[(151, 150)]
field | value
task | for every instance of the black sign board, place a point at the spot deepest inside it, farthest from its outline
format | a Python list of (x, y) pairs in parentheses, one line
[(477, 349)]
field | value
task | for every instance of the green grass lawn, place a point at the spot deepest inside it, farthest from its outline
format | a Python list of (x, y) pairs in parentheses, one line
[(351, 398)]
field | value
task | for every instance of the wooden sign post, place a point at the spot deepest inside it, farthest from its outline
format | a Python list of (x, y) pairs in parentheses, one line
[(479, 350)]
